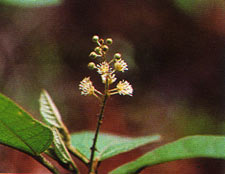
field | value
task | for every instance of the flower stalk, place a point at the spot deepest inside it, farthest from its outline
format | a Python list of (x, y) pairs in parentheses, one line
[(107, 70), (99, 123)]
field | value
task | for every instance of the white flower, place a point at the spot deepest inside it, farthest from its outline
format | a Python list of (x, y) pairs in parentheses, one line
[(124, 88), (103, 68), (111, 78), (120, 65), (86, 87)]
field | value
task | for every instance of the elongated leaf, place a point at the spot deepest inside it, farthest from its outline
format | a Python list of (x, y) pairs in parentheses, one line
[(49, 111), (108, 145), (188, 147), (31, 3), (19, 130), (60, 148), (198, 7)]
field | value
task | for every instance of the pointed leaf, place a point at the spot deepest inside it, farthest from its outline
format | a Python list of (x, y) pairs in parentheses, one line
[(60, 148), (108, 145), (49, 111), (31, 3), (61, 151), (188, 147), (19, 130)]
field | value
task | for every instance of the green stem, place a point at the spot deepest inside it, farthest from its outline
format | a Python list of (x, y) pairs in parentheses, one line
[(46, 163), (66, 137), (77, 154), (100, 118)]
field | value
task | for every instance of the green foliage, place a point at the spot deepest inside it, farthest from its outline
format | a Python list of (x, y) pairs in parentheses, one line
[(108, 145), (189, 147), (52, 118), (31, 3), (49, 111), (61, 150), (60, 147), (19, 130), (198, 6)]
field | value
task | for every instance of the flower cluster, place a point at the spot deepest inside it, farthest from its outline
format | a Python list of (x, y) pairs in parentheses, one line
[(106, 69)]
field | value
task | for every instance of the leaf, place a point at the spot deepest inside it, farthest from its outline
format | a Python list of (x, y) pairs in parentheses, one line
[(60, 148), (31, 3), (108, 145), (49, 111), (198, 7), (188, 147), (19, 130)]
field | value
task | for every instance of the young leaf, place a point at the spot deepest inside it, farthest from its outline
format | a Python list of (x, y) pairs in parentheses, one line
[(61, 150), (188, 147), (31, 3), (49, 111), (108, 145), (19, 130), (52, 117)]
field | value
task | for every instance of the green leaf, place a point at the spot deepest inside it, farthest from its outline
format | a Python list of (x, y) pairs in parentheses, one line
[(197, 7), (19, 130), (108, 145), (60, 148), (31, 3), (49, 111), (188, 147)]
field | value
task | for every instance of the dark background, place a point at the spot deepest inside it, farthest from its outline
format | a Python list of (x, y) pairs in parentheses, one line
[(175, 50)]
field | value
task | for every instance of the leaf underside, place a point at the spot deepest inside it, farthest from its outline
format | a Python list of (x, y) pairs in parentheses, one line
[(49, 111), (184, 148), (60, 148), (19, 130), (108, 145)]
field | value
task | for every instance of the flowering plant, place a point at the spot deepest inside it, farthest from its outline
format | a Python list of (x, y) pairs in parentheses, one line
[(51, 139)]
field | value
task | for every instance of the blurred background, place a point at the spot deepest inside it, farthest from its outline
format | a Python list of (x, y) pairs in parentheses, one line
[(175, 50)]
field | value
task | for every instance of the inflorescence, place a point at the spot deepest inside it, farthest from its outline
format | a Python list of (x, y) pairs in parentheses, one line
[(106, 69)]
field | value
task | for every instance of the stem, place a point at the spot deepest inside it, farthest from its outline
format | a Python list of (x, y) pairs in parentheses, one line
[(77, 154), (100, 118), (66, 137), (46, 163)]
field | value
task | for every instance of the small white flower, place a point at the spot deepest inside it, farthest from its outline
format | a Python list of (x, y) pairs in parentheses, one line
[(103, 68), (120, 65), (124, 88), (111, 78), (86, 87)]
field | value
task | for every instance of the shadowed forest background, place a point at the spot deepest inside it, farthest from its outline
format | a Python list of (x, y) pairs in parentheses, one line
[(175, 50)]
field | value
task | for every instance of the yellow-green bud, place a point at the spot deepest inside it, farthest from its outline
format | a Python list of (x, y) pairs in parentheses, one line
[(105, 48), (109, 41), (95, 38), (117, 56), (98, 50), (91, 65), (93, 55)]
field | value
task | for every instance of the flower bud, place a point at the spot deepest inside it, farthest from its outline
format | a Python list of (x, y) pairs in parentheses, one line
[(105, 48), (101, 41), (95, 38), (109, 41), (117, 56), (93, 55), (91, 65), (98, 50)]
